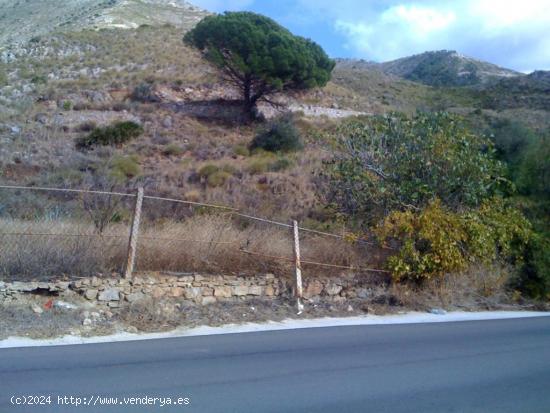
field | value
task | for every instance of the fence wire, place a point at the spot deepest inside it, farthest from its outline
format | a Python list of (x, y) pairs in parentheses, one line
[(91, 235)]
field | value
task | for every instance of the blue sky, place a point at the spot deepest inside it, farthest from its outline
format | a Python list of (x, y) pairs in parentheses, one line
[(513, 34)]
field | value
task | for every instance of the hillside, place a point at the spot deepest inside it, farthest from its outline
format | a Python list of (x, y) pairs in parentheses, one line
[(531, 91), (21, 21), (67, 78), (445, 68)]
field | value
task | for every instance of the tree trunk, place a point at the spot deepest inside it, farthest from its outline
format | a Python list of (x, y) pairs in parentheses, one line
[(249, 99)]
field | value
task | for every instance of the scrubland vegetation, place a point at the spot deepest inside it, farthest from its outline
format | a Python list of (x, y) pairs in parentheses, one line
[(452, 182)]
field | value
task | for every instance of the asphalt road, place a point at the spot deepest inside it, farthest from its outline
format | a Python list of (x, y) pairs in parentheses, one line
[(480, 366)]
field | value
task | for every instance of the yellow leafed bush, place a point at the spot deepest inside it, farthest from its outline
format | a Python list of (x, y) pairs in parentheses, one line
[(435, 241)]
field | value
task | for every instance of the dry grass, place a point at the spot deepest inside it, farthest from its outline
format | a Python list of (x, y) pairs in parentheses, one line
[(202, 243), (479, 287), (43, 256)]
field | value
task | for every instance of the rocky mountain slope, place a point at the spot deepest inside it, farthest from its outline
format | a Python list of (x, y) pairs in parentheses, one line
[(23, 20), (61, 77), (445, 68)]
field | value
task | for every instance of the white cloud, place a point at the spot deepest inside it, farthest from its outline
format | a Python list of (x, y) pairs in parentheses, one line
[(419, 20), (511, 33), (395, 29)]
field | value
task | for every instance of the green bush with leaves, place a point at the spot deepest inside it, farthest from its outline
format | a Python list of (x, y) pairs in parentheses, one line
[(435, 241), (387, 163), (115, 134), (125, 167), (533, 175), (280, 134), (144, 92), (534, 276)]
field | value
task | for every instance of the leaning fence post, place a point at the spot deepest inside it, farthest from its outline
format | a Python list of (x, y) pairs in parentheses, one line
[(298, 287), (134, 232)]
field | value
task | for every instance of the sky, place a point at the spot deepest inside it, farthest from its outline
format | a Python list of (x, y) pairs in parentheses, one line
[(512, 34)]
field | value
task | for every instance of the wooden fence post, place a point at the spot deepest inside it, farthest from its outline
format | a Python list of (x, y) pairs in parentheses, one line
[(134, 233), (298, 286)]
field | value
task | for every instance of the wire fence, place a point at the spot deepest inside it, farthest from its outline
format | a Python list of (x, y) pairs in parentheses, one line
[(80, 232)]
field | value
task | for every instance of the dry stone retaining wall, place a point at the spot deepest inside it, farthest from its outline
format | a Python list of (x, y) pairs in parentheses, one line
[(201, 289)]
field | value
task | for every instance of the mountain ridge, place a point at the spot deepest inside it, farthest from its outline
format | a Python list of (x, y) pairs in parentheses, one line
[(442, 68), (23, 21)]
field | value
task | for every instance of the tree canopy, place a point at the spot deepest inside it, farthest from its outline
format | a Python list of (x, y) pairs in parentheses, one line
[(259, 56), (394, 162)]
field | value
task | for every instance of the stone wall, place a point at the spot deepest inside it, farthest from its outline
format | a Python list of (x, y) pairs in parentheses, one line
[(201, 289)]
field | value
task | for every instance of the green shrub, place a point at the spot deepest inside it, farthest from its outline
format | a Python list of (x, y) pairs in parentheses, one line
[(115, 134), (39, 79), (279, 135), (258, 166), (280, 164), (172, 150), (125, 167), (208, 170), (510, 138), (67, 105), (230, 169), (144, 92), (533, 176), (391, 162), (435, 241), (241, 150), (534, 276), (218, 178)]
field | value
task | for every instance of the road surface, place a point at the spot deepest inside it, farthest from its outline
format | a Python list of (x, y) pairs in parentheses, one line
[(480, 366)]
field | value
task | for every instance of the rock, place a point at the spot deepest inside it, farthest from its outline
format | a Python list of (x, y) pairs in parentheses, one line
[(223, 291), (41, 118), (176, 292), (207, 291), (313, 288), (132, 330), (363, 293), (91, 294), (15, 129), (186, 279), (36, 309), (333, 289), (208, 300), (269, 291), (23, 286), (64, 305), (114, 304), (60, 286), (438, 311), (255, 290), (134, 297), (87, 322), (157, 292), (349, 309), (109, 294), (192, 293), (240, 290), (167, 122)]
